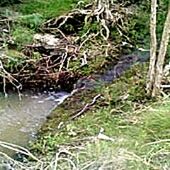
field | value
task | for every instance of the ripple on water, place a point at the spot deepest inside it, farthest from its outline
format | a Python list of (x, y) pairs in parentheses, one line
[(20, 120)]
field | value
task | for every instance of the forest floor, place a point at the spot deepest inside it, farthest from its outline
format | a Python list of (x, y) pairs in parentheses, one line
[(113, 126)]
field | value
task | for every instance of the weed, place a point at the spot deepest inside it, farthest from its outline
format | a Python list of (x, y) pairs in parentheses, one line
[(32, 21)]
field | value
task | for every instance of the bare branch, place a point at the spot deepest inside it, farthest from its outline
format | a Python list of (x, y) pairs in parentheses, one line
[(86, 107)]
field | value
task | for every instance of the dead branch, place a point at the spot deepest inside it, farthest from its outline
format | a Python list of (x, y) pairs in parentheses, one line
[(86, 107), (5, 75)]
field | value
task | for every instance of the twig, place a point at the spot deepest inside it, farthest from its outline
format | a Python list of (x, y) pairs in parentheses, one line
[(4, 87), (57, 29), (88, 38), (18, 149), (84, 59), (157, 142), (86, 107), (165, 86), (105, 37), (64, 56)]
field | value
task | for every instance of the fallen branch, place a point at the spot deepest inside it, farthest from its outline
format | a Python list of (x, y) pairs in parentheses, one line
[(86, 107)]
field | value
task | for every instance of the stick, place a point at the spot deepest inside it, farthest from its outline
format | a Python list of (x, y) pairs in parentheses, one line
[(86, 107)]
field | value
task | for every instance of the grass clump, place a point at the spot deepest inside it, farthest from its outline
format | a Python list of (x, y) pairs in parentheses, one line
[(22, 36), (32, 21)]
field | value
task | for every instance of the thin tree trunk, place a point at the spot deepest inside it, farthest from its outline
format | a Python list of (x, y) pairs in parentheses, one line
[(161, 55), (153, 47)]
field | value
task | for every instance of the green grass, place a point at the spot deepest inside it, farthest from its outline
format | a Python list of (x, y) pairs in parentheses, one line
[(139, 127), (22, 36), (129, 149)]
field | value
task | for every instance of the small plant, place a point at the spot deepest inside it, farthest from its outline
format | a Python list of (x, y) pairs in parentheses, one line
[(32, 21), (22, 36)]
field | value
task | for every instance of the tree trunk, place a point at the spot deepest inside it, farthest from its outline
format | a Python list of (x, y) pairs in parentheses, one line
[(153, 47), (161, 55)]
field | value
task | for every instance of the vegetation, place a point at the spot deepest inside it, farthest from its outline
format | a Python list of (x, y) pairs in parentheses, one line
[(136, 134), (123, 130), (109, 126)]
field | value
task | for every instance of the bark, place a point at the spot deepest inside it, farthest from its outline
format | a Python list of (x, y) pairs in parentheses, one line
[(161, 55), (153, 47)]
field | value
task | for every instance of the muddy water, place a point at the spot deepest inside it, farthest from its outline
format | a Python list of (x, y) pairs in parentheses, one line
[(20, 119)]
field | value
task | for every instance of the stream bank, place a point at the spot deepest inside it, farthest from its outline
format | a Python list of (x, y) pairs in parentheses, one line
[(91, 94)]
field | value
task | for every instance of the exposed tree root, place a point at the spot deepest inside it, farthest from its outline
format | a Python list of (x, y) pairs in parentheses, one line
[(73, 39)]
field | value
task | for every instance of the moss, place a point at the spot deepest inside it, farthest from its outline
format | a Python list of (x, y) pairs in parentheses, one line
[(13, 60), (94, 65)]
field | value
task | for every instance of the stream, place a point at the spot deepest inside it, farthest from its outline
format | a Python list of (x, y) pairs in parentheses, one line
[(21, 119)]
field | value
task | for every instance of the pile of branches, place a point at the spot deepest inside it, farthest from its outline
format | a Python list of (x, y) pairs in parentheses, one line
[(78, 37)]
